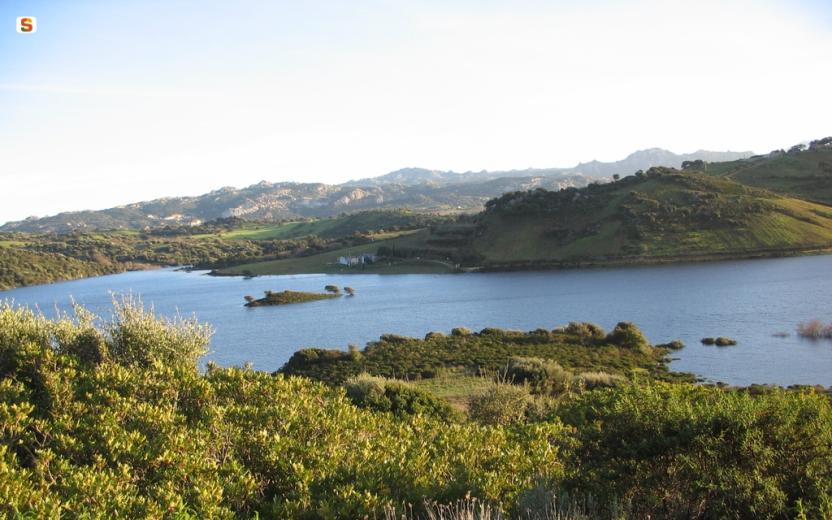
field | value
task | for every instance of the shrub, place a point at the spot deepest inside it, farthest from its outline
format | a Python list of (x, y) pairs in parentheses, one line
[(350, 291), (492, 331), (461, 331), (708, 341), (543, 376), (334, 289), (723, 341), (434, 335), (593, 380), (500, 404), (397, 397), (676, 344), (681, 451), (587, 333), (139, 339), (146, 439), (628, 335), (395, 338), (814, 329)]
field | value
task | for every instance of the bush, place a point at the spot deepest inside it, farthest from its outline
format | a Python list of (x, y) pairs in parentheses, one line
[(708, 341), (145, 439), (587, 333), (815, 329), (676, 344), (593, 380), (722, 341), (500, 404), (682, 451), (461, 331), (628, 335), (397, 397), (543, 376), (139, 339)]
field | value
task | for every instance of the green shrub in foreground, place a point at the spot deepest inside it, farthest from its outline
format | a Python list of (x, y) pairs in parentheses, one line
[(398, 397), (685, 451), (147, 435)]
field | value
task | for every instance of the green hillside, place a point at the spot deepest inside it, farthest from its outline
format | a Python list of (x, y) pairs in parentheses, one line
[(363, 222), (805, 174), (663, 214), (20, 267)]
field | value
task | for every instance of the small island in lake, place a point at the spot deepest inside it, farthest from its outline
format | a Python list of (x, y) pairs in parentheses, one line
[(287, 297)]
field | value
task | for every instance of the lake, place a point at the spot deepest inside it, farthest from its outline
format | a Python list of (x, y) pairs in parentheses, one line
[(749, 300)]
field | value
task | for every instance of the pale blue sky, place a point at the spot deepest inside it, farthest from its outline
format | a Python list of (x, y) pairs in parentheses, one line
[(112, 102)]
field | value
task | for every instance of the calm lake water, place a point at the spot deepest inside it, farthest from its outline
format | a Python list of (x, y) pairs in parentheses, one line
[(748, 300)]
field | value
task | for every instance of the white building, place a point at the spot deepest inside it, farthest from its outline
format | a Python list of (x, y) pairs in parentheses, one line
[(366, 258)]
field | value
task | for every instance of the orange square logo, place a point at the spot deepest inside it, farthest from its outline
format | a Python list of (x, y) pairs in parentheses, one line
[(27, 24)]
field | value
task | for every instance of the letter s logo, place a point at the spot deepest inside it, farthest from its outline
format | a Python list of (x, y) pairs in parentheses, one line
[(27, 24)]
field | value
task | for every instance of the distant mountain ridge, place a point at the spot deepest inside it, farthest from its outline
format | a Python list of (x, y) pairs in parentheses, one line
[(640, 160), (415, 188)]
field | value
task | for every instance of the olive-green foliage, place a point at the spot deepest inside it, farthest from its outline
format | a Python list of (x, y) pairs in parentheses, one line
[(587, 333), (288, 297), (661, 215), (395, 396), (30, 258), (19, 267), (500, 404), (676, 344), (140, 339), (90, 427), (485, 353), (685, 451), (721, 341), (543, 376), (628, 335), (593, 380)]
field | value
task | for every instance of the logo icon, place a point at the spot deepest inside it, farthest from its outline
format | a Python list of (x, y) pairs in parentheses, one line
[(27, 24)]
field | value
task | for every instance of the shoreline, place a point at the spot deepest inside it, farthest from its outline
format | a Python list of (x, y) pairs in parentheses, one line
[(559, 265), (506, 267)]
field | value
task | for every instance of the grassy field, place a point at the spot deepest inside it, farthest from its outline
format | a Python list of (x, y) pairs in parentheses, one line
[(454, 386), (807, 175), (373, 222)]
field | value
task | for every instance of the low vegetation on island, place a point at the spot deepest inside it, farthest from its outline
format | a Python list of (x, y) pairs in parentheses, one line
[(721, 341), (114, 419), (288, 297)]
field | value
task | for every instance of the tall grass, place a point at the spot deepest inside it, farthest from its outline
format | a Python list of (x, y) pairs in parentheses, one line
[(815, 329)]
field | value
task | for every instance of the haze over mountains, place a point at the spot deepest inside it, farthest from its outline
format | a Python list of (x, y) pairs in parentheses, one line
[(415, 188), (640, 160)]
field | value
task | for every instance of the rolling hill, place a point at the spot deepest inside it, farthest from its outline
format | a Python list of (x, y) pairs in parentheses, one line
[(663, 214), (803, 173), (415, 188)]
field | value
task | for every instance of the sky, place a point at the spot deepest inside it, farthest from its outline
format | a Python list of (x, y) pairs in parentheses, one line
[(119, 101)]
